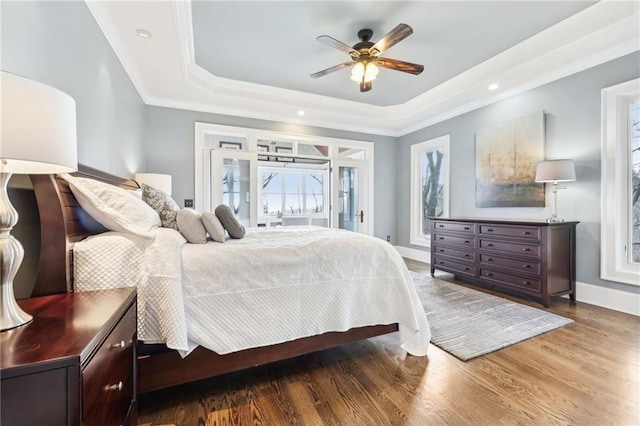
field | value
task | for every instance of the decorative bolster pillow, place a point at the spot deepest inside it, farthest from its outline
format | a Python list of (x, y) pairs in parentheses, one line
[(191, 227), (230, 223), (213, 226)]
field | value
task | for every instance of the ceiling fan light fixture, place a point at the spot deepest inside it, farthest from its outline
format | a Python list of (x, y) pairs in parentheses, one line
[(366, 72)]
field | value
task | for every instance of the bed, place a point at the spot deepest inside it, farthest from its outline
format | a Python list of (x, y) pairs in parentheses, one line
[(64, 223)]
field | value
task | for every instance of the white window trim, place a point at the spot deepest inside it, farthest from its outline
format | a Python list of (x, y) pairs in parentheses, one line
[(417, 237), (615, 264)]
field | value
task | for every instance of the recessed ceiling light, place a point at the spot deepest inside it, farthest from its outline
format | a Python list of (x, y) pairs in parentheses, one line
[(493, 86), (301, 113), (144, 33)]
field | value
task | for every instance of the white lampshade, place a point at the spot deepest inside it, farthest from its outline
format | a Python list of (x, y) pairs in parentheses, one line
[(556, 171), (155, 180), (38, 126)]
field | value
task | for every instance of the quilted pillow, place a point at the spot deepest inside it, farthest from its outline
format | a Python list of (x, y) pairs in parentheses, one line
[(163, 204), (114, 208), (230, 223), (191, 227), (213, 226)]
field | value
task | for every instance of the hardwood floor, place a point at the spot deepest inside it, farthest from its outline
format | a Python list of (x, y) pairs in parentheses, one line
[(587, 373)]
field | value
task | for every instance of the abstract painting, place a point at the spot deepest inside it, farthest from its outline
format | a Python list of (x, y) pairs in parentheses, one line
[(506, 160)]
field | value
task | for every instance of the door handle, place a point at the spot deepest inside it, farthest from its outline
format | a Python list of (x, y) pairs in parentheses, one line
[(361, 216)]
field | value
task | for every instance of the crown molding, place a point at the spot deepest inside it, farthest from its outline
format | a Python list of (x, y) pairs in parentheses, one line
[(598, 34)]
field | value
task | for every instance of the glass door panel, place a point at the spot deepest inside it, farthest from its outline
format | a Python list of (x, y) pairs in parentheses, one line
[(236, 187), (350, 196)]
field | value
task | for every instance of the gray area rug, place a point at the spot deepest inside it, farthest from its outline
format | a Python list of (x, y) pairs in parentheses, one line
[(468, 323)]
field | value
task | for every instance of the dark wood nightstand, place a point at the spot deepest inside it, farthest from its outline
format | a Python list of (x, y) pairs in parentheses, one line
[(74, 363)]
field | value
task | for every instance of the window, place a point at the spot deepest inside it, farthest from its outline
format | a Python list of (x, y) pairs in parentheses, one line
[(620, 227), (294, 192), (429, 186)]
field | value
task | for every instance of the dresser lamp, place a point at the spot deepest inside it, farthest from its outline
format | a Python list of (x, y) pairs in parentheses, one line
[(38, 136), (555, 171), (155, 180)]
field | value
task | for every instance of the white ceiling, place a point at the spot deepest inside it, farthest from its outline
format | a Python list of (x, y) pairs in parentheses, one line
[(254, 59)]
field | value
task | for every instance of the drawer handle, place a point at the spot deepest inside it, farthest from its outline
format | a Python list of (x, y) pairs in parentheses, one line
[(116, 387), (489, 230), (120, 345), (526, 232), (441, 250), (526, 266), (466, 269), (466, 228), (489, 245), (490, 259), (489, 274), (526, 283), (440, 263), (440, 226), (466, 241), (466, 255), (526, 249), (442, 238)]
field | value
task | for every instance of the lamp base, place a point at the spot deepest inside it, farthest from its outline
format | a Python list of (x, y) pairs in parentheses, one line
[(554, 219), (11, 255)]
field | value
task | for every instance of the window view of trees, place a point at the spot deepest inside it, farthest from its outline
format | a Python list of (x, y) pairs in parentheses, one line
[(293, 193), (432, 174), (635, 181)]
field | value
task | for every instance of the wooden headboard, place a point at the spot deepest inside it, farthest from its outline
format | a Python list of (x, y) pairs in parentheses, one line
[(62, 223)]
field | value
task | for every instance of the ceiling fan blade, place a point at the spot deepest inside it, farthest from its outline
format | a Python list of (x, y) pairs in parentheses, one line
[(332, 69), (394, 64), (330, 41), (394, 36)]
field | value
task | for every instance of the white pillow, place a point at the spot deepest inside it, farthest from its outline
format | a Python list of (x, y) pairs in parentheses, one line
[(191, 227), (213, 226), (115, 208)]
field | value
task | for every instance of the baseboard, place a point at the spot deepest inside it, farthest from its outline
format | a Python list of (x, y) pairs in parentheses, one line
[(609, 298), (414, 254), (604, 297)]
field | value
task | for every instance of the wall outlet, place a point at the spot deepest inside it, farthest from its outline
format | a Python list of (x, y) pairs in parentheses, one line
[(188, 203), (388, 238)]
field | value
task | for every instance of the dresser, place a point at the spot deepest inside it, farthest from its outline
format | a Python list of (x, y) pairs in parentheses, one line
[(74, 363), (535, 258)]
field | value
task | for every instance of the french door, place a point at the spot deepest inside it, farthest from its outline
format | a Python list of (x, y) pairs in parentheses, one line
[(351, 196)]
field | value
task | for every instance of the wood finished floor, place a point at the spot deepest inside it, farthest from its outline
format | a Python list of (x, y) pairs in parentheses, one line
[(587, 373)]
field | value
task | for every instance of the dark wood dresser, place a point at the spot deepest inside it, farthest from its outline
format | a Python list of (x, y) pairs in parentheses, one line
[(530, 257), (74, 363)]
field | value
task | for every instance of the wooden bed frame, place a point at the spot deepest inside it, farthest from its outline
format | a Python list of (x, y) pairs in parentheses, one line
[(63, 222)]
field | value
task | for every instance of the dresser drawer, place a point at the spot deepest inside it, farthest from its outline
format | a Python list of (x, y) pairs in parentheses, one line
[(452, 239), (109, 375), (453, 252), (528, 266), (521, 249), (510, 279), (454, 226), (528, 232), (455, 266)]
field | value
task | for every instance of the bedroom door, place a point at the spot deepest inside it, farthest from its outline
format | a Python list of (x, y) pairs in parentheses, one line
[(351, 196)]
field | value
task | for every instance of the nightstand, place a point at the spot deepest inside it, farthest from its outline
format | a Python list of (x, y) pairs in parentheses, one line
[(74, 363)]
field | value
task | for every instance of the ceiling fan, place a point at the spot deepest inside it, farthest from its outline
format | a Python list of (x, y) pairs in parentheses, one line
[(365, 56)]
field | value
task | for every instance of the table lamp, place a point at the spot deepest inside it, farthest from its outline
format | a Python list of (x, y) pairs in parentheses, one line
[(155, 180), (555, 171), (38, 136)]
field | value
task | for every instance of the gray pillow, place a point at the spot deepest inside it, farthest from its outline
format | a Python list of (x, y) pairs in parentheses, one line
[(230, 223), (213, 226), (191, 227), (163, 204)]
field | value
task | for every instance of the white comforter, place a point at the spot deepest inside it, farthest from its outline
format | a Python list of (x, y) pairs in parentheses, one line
[(273, 286)]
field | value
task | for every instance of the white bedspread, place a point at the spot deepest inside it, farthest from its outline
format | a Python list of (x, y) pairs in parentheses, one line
[(273, 286)]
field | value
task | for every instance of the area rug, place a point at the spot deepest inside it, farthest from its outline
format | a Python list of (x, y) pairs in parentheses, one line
[(469, 323)]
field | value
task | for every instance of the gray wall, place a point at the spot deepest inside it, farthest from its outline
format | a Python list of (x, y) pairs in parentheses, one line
[(60, 44), (169, 147), (572, 114)]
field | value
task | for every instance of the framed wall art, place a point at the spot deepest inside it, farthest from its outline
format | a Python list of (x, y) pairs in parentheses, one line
[(506, 159)]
